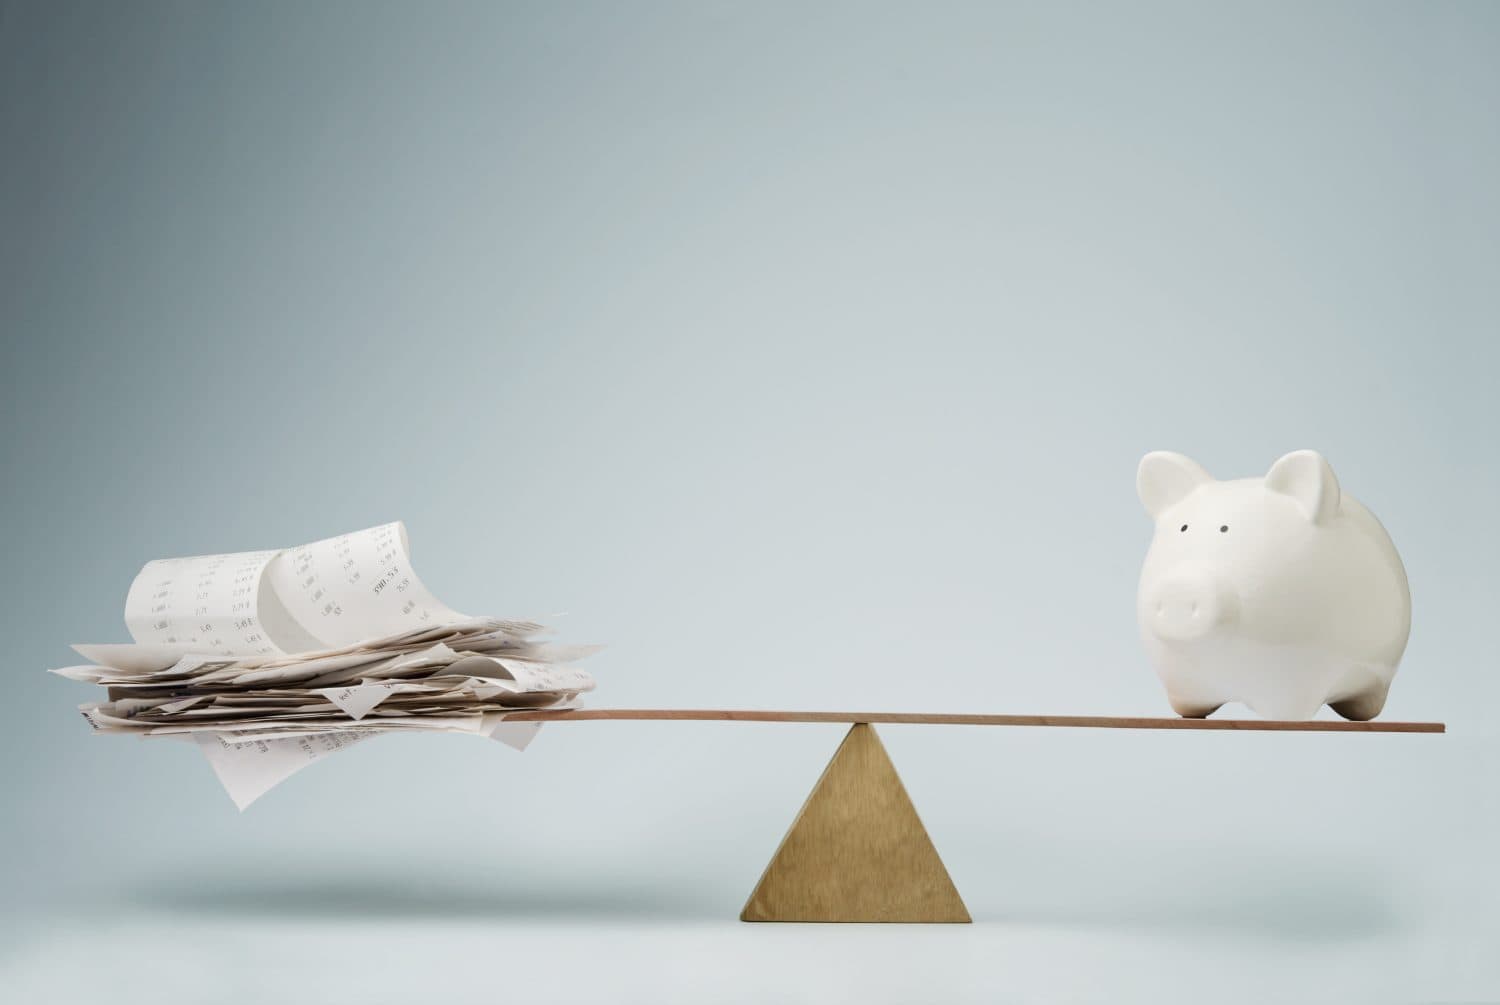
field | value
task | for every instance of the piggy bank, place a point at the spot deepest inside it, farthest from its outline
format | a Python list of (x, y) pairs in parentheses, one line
[(1282, 593)]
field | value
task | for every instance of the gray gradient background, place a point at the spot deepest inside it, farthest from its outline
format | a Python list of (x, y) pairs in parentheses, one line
[(803, 355)]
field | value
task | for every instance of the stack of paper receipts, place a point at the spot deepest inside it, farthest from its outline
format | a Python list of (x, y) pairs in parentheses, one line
[(271, 660)]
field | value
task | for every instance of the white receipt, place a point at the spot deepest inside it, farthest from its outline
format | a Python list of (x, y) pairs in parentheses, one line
[(354, 587), (248, 769), (324, 595), (251, 769), (210, 601)]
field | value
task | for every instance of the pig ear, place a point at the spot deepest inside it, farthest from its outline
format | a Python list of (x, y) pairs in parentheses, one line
[(1165, 478), (1306, 477)]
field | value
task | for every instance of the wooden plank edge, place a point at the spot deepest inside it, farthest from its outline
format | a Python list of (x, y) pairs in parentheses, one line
[(973, 719)]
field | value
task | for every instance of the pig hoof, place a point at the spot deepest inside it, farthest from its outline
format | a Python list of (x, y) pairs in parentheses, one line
[(1190, 710), (1362, 707)]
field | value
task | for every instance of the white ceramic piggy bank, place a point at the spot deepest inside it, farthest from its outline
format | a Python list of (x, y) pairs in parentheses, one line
[(1281, 592)]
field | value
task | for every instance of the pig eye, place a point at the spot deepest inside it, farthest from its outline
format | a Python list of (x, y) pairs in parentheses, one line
[(1224, 529), (1184, 528)]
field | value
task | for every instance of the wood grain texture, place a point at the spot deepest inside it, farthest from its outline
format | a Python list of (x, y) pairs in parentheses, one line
[(857, 850), (975, 719)]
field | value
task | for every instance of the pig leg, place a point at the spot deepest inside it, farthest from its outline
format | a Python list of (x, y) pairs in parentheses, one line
[(1190, 709), (1364, 706)]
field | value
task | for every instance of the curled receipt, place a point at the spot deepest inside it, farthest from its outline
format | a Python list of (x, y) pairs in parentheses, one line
[(267, 604)]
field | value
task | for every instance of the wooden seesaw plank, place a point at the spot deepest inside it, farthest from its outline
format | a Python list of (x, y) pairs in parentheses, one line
[(975, 719)]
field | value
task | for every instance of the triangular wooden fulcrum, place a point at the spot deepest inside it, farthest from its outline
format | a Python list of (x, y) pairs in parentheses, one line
[(857, 851)]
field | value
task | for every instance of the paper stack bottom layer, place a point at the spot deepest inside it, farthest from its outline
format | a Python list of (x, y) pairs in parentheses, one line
[(260, 720)]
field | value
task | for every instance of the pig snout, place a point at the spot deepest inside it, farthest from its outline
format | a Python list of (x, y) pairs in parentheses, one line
[(1188, 604)]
